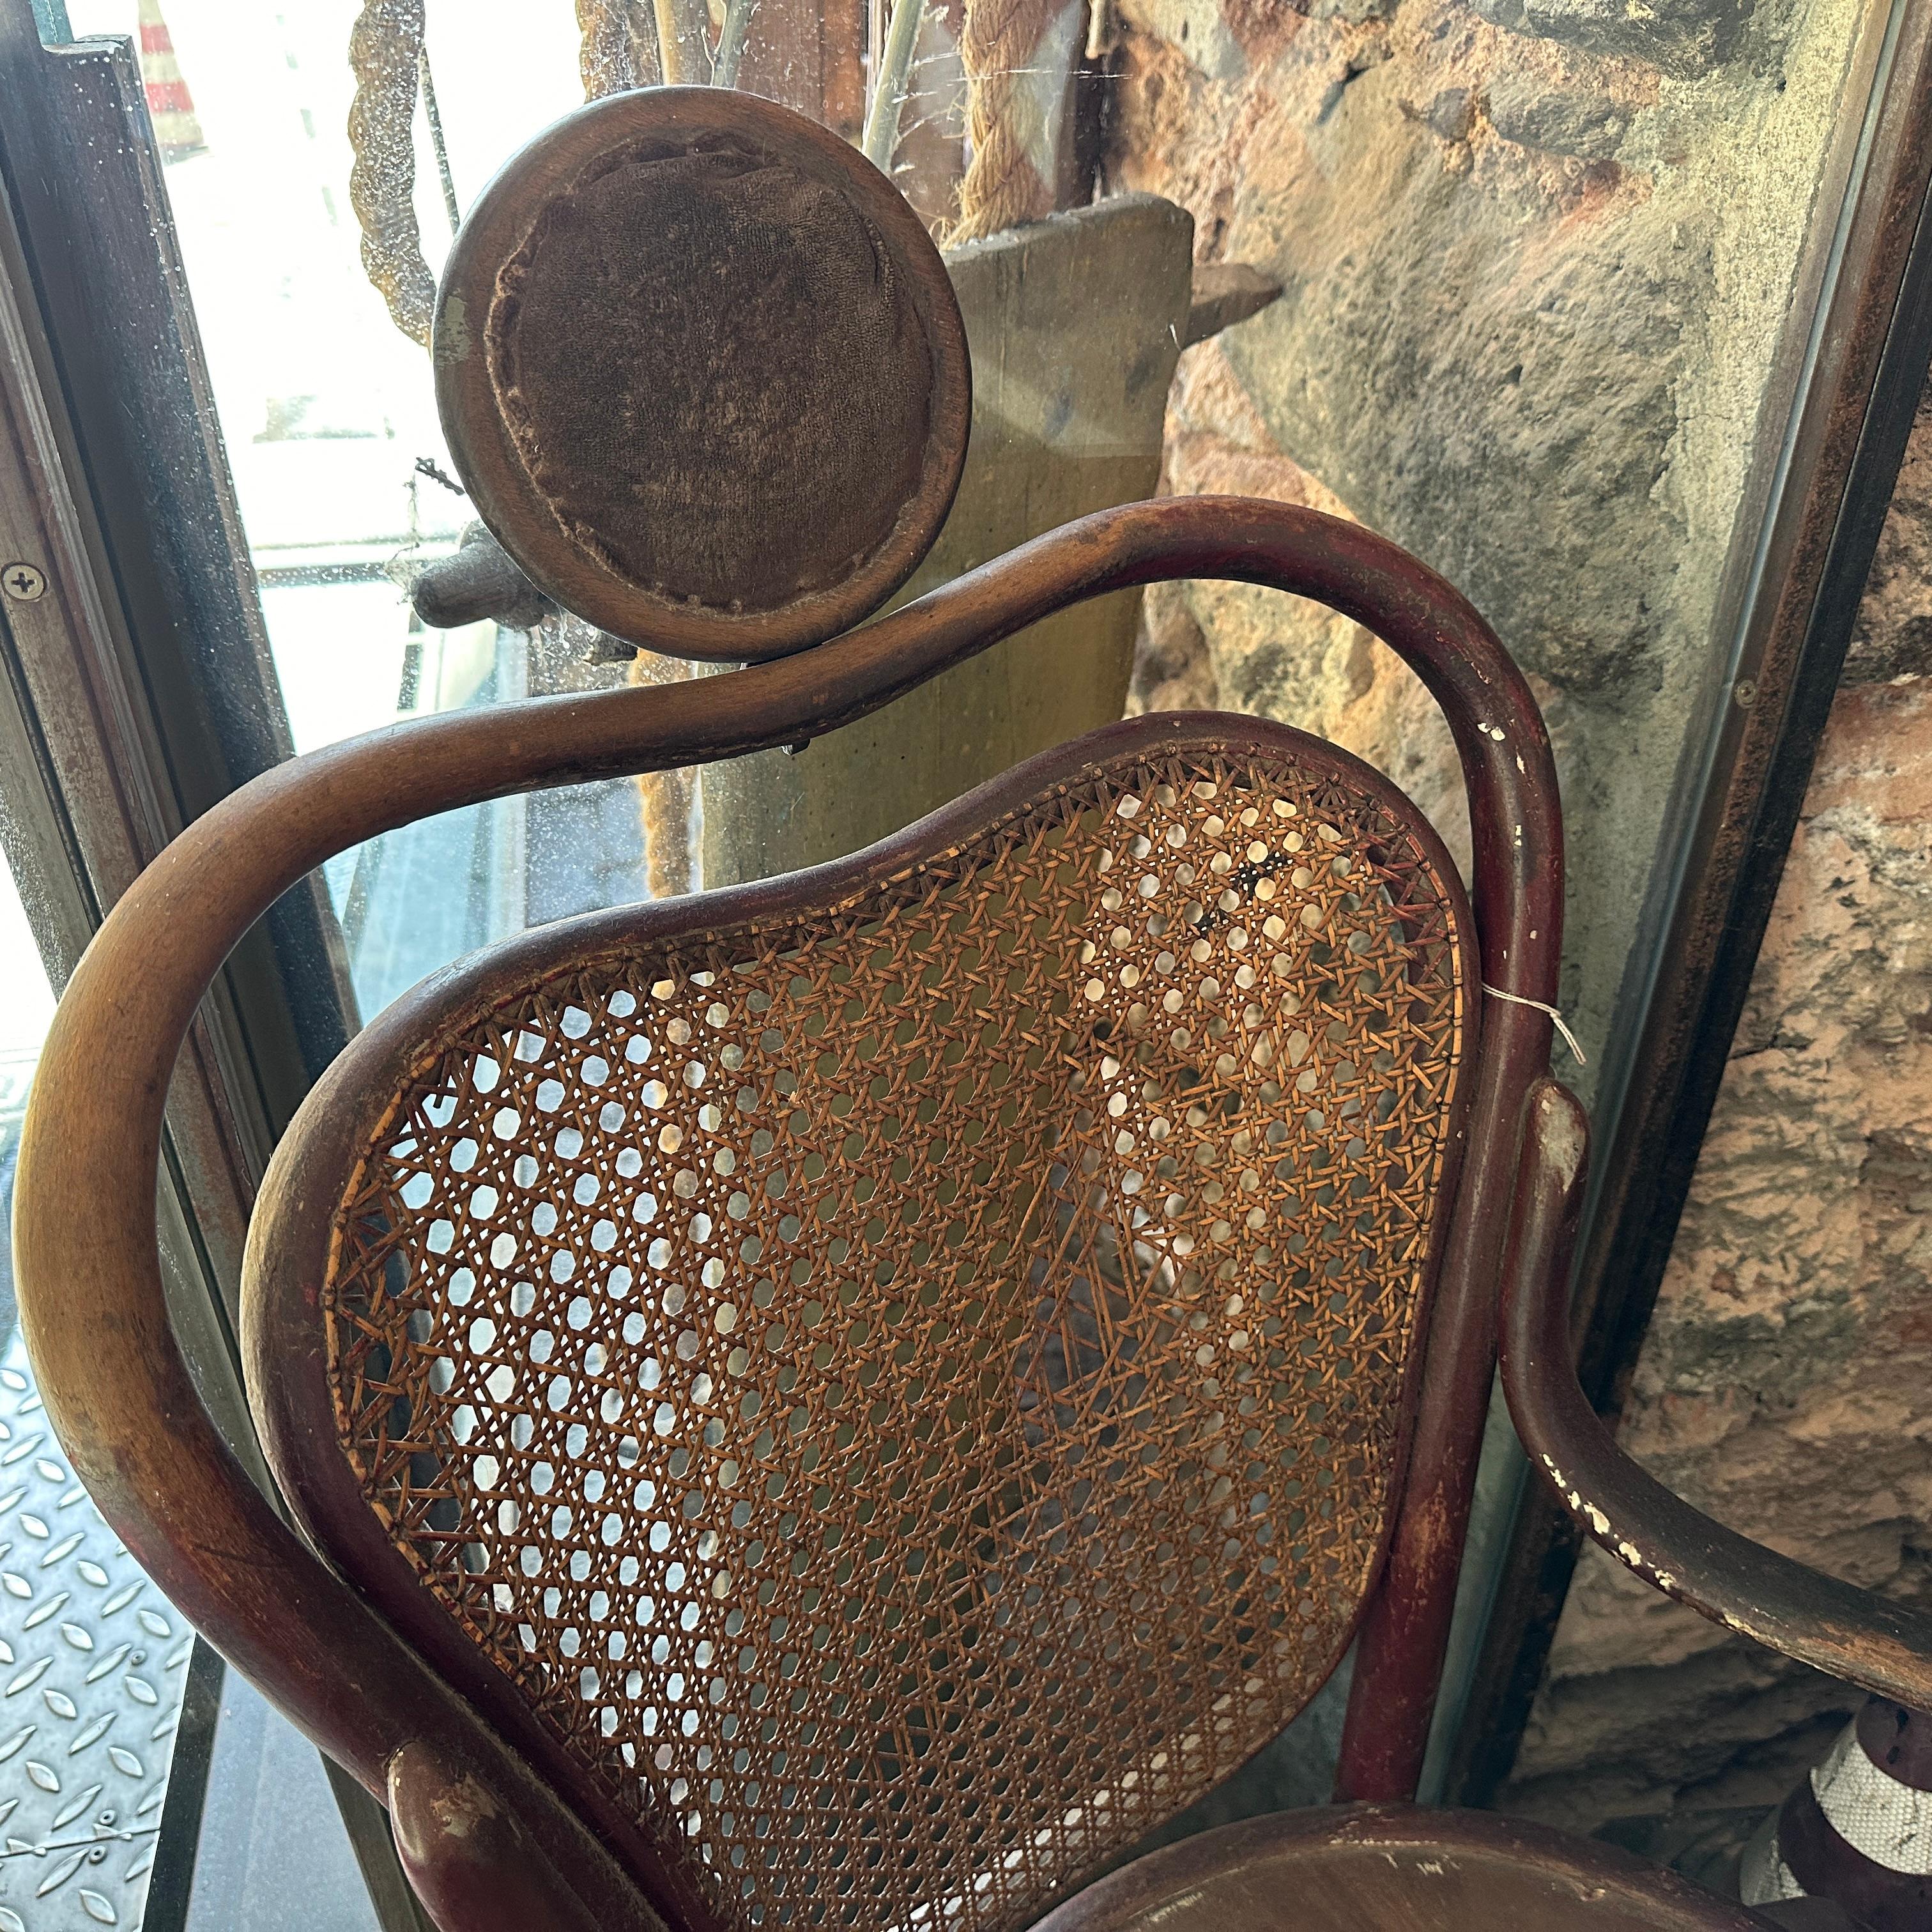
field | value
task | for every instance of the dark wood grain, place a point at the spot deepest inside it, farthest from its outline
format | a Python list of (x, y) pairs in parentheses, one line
[(123, 1400), (469, 1857), (302, 1232), (744, 347)]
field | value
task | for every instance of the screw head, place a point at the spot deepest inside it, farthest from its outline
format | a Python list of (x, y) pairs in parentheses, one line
[(25, 583), (1744, 694)]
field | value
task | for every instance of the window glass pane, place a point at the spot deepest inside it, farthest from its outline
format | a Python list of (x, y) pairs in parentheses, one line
[(328, 412)]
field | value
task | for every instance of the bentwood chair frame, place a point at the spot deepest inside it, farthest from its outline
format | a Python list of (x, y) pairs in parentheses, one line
[(499, 1825), (489, 1842)]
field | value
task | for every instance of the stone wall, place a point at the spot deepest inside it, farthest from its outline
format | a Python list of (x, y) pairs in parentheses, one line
[(1782, 1384), (1534, 255)]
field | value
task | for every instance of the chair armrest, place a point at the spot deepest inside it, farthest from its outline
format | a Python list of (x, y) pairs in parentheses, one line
[(1853, 1633)]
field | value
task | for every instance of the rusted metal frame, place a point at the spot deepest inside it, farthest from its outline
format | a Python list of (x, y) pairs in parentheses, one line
[(117, 1387), (1795, 585), (1850, 1633)]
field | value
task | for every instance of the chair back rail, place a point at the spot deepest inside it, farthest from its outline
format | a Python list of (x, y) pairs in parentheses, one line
[(123, 1399)]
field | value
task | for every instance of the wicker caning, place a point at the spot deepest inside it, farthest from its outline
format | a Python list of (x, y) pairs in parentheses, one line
[(911, 1392)]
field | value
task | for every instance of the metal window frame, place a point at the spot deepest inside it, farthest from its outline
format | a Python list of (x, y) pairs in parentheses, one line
[(135, 690), (74, 831)]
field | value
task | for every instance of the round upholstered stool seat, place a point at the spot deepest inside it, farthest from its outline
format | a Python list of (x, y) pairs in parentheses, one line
[(1395, 1868)]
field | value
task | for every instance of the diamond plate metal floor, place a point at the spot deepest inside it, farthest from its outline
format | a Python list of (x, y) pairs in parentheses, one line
[(92, 1663)]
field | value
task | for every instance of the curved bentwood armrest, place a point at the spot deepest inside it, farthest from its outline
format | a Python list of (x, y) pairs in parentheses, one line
[(1853, 1633), (116, 1384)]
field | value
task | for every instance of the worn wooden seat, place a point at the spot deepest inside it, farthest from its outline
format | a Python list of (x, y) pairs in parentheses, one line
[(1395, 1868), (843, 1402)]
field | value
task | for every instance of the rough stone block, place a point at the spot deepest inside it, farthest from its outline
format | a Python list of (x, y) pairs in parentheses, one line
[(1681, 36)]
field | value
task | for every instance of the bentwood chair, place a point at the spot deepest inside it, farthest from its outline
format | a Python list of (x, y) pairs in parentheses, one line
[(844, 1403)]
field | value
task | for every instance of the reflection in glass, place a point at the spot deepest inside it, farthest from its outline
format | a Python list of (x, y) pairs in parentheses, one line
[(328, 416)]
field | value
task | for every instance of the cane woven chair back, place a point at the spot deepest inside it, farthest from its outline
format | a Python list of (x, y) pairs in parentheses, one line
[(897, 1379)]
